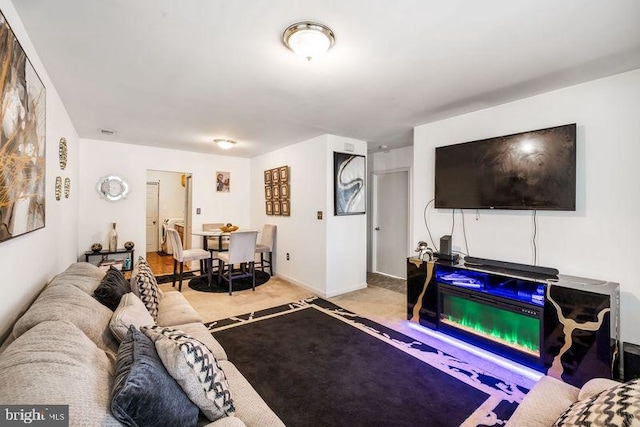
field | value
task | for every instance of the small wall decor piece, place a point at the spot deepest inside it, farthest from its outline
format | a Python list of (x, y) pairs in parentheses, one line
[(67, 187), (62, 153), (268, 206), (275, 175), (22, 140), (276, 207), (284, 191), (112, 188), (275, 191), (267, 177), (285, 208), (223, 181), (348, 184), (284, 173), (58, 189), (267, 192)]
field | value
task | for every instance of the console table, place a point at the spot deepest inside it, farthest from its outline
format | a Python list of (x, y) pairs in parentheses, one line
[(122, 254), (570, 324)]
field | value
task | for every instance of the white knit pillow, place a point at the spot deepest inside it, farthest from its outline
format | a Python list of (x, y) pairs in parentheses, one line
[(130, 311)]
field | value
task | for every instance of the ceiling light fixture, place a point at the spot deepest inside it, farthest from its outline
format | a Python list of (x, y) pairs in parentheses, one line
[(308, 39), (225, 144)]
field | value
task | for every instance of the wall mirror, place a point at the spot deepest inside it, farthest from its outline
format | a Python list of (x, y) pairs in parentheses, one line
[(112, 188)]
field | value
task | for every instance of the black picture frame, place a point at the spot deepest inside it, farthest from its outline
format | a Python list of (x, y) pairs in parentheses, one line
[(349, 184)]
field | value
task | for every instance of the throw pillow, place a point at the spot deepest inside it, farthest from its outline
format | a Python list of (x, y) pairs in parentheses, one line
[(195, 368), (112, 287), (144, 394), (130, 311), (617, 406), (144, 285)]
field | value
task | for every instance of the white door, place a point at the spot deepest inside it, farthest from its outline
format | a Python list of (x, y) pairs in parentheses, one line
[(153, 193), (391, 223)]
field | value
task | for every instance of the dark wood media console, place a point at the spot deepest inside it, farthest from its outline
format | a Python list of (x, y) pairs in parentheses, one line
[(570, 325)]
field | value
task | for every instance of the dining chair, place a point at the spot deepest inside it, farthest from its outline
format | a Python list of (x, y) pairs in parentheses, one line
[(242, 248), (214, 243), (265, 246), (181, 256)]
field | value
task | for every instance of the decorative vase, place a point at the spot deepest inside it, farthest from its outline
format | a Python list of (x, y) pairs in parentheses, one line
[(113, 238)]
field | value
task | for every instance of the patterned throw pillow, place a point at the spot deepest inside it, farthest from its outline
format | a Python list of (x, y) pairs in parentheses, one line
[(617, 406), (144, 285), (144, 394), (111, 288), (193, 366)]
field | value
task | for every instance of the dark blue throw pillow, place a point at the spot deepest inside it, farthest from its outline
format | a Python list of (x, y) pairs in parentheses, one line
[(144, 394), (112, 288)]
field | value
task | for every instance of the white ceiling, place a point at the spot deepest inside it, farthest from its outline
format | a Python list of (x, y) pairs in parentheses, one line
[(178, 74)]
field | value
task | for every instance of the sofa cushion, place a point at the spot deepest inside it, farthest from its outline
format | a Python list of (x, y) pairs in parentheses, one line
[(250, 407), (616, 406), (193, 365), (595, 386), (544, 403), (54, 363), (144, 394), (144, 285), (174, 309), (82, 275), (69, 303), (130, 311), (111, 288)]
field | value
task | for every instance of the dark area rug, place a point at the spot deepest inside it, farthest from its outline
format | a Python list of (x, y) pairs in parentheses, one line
[(167, 278), (200, 283), (315, 369)]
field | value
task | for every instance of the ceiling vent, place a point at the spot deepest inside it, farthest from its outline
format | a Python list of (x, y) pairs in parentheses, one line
[(107, 131)]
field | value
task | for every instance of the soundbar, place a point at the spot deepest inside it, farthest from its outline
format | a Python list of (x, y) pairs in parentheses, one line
[(483, 262)]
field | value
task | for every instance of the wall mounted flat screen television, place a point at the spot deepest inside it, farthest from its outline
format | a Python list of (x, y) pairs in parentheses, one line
[(533, 170)]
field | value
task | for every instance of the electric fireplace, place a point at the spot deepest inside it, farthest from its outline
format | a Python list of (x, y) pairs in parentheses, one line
[(498, 313)]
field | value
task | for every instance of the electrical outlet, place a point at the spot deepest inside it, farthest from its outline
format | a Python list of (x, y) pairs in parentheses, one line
[(288, 258)]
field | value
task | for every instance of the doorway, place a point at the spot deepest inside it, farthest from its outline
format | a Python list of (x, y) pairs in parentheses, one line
[(152, 222), (390, 223)]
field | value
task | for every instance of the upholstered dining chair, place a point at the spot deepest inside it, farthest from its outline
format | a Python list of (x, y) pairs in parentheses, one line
[(242, 248), (181, 256), (213, 243), (265, 246)]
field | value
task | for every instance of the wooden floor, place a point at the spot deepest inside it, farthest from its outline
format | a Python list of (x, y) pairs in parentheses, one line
[(161, 264)]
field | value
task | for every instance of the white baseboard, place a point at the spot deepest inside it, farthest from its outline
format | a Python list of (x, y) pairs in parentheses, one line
[(345, 291), (320, 292)]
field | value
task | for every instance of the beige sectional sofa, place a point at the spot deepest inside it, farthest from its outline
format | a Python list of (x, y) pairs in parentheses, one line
[(62, 352)]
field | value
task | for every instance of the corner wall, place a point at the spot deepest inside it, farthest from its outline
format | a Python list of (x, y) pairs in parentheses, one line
[(100, 158), (600, 239), (29, 261), (327, 256)]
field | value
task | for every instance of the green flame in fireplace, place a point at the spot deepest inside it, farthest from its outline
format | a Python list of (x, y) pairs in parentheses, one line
[(513, 329)]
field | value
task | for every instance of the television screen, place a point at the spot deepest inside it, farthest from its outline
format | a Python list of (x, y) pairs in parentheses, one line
[(529, 170)]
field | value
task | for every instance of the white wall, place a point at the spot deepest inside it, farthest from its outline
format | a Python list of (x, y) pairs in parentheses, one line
[(600, 239), (30, 260), (327, 256), (99, 158)]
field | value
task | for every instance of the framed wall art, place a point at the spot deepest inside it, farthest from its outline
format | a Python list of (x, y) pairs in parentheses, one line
[(268, 207), (267, 177), (349, 184), (275, 191), (284, 173), (285, 208), (223, 182), (22, 140), (267, 192), (275, 175), (62, 153), (276, 207), (284, 191)]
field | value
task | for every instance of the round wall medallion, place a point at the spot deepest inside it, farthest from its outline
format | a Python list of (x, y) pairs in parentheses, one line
[(112, 188), (62, 153)]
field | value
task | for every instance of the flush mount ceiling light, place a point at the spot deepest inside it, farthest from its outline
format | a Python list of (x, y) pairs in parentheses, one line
[(225, 144), (308, 39)]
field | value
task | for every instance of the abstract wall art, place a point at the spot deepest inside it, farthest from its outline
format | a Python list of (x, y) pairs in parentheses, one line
[(22, 140), (348, 187)]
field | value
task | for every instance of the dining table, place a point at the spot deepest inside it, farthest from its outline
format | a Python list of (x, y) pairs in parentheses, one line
[(213, 233)]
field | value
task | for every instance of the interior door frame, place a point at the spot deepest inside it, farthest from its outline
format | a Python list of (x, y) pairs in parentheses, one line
[(157, 184), (374, 212)]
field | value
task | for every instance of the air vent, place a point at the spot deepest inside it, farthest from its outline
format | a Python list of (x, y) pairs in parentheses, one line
[(107, 132)]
